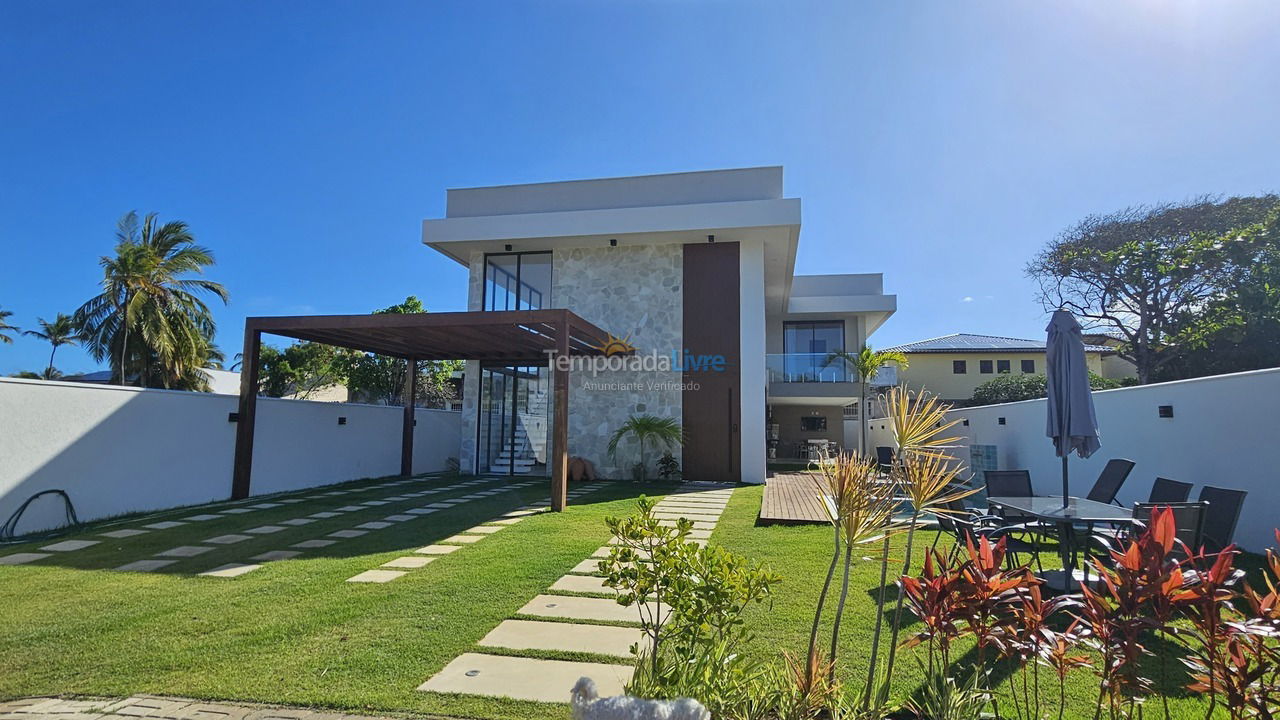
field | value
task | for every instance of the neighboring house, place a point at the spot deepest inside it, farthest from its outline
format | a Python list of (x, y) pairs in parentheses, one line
[(696, 268), (1114, 367), (952, 366)]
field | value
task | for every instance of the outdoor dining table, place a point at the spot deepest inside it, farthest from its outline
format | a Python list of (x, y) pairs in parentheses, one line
[(1050, 510)]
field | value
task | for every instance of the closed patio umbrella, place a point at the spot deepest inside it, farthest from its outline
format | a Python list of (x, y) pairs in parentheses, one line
[(1072, 424)]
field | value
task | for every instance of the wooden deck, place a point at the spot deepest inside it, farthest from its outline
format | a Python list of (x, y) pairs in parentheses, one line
[(792, 497)]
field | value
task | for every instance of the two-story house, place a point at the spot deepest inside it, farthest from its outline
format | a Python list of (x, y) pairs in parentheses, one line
[(692, 267)]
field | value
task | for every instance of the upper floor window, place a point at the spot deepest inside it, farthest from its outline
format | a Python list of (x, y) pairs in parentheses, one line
[(517, 281), (1002, 366), (1028, 366), (959, 367), (985, 367), (817, 337)]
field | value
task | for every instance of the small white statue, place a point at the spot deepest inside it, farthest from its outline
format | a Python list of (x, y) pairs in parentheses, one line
[(588, 705)]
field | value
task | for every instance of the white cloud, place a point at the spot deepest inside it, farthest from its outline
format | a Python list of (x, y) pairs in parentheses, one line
[(967, 298)]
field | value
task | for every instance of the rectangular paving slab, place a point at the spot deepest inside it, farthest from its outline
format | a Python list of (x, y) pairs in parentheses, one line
[(22, 558), (235, 511), (145, 565), (228, 539), (524, 678), (70, 545), (581, 583), (347, 533), (586, 567), (165, 525), (201, 518), (272, 555), (297, 521), (265, 530), (399, 517), (231, 570), (408, 562), (463, 539), (308, 544), (483, 530), (419, 511), (580, 608), (697, 525), (184, 551), (504, 521), (376, 576), (374, 525), (123, 533), (437, 549), (568, 637)]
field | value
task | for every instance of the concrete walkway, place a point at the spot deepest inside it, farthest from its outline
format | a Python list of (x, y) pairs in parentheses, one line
[(547, 624), (163, 708)]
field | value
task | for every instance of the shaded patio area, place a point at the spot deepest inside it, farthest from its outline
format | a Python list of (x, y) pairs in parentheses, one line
[(509, 336)]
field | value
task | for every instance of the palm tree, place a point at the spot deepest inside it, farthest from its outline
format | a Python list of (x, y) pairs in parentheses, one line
[(664, 432), (4, 325), (866, 365), (62, 331), (149, 319)]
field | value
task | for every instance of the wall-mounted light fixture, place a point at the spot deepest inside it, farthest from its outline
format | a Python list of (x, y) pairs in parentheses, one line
[(1000, 421), (966, 422), (508, 247), (613, 242), (711, 238), (1166, 411), (342, 420), (233, 417)]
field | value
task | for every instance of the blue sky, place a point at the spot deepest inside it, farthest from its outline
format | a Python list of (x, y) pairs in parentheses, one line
[(941, 143)]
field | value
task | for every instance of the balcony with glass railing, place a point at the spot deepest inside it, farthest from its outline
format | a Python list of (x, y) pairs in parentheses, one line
[(806, 368)]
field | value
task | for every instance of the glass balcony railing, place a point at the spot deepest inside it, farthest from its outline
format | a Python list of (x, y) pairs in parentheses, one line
[(806, 368)]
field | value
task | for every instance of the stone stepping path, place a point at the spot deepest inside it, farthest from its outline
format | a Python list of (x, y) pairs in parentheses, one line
[(376, 576), (529, 678), (524, 678), (535, 635)]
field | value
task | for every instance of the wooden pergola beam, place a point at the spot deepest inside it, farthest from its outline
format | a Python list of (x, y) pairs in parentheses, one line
[(514, 337)]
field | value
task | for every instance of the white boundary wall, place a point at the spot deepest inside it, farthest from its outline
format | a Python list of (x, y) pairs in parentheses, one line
[(117, 450), (1223, 432)]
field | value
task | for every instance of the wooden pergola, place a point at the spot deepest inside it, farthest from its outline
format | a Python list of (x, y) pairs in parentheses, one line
[(516, 337)]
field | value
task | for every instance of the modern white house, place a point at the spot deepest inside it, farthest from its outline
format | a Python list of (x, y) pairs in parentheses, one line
[(692, 277)]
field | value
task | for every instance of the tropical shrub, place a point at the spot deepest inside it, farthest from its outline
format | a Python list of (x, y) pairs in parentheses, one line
[(648, 431), (690, 601)]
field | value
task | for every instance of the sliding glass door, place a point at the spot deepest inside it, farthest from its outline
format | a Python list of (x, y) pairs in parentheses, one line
[(515, 403)]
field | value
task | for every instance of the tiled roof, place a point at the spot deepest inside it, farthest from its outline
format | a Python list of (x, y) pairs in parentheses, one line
[(967, 342)]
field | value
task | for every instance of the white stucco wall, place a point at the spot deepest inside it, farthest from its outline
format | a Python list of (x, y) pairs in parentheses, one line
[(1222, 433), (118, 450)]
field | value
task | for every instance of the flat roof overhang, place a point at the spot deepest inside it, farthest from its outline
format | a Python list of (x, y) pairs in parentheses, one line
[(502, 335)]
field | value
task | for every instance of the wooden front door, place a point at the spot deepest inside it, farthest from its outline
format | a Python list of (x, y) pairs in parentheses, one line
[(712, 400)]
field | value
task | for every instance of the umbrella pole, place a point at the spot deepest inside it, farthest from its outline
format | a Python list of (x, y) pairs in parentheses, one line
[(1065, 484)]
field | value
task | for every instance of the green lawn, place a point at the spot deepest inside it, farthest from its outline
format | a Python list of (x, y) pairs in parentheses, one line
[(295, 633)]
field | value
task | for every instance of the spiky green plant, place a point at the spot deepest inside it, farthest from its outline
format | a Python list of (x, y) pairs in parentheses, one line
[(648, 430)]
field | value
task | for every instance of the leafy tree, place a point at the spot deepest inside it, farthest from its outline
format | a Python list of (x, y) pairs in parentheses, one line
[(866, 366), (27, 375), (1146, 272), (1012, 388), (380, 379), (647, 430), (301, 369), (1240, 330), (62, 331), (150, 320), (5, 326)]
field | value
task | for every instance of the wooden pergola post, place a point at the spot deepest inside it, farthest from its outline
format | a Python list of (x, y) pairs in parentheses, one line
[(560, 420), (243, 464), (406, 433)]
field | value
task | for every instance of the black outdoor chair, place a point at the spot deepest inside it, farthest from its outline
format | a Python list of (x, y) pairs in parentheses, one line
[(1109, 480), (1221, 516), (1188, 519), (1164, 490), (963, 524), (884, 458), (1008, 483)]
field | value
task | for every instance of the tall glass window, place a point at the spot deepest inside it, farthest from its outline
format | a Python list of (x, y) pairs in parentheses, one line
[(806, 345), (517, 281)]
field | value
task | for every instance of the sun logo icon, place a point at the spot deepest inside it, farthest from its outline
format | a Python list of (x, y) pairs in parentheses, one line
[(615, 345)]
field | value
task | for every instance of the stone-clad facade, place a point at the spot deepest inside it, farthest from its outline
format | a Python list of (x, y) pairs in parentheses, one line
[(634, 292)]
